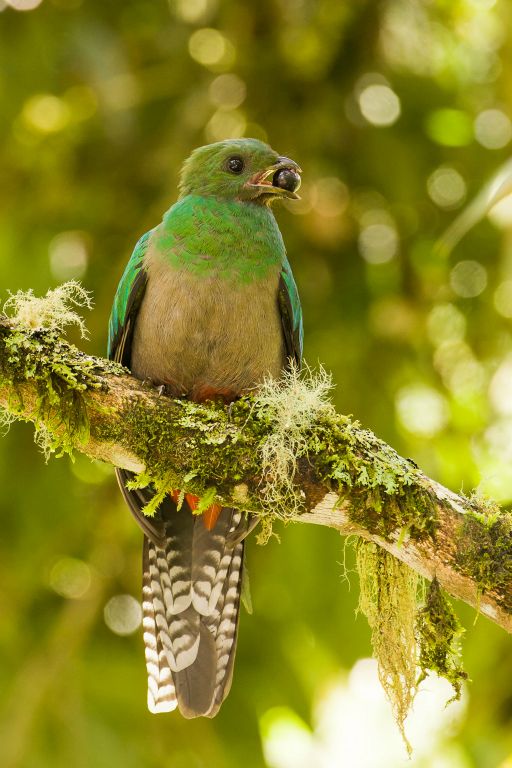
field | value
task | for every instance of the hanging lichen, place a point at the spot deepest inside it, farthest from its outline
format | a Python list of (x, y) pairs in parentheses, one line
[(387, 598), (439, 633)]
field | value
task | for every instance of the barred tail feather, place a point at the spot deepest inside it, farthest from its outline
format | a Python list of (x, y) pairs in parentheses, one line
[(191, 597), (227, 628), (161, 691)]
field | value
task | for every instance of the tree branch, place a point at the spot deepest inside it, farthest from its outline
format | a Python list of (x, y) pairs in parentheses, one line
[(344, 477)]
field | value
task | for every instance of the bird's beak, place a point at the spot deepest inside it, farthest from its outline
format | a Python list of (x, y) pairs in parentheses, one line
[(264, 182)]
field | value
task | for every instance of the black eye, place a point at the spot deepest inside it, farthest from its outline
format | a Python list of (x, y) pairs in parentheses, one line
[(235, 164)]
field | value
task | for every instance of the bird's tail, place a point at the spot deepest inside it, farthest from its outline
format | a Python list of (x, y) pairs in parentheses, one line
[(191, 597)]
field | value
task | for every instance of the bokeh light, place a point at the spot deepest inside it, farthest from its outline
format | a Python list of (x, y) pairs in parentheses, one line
[(287, 741), (46, 113), (70, 578), (329, 196), (194, 11), (446, 187), (379, 104), (493, 129), (468, 279), (446, 322), (23, 5), (123, 614), (225, 125), (449, 127), (352, 707), (500, 388), (378, 239), (421, 410), (211, 48), (503, 298), (227, 91), (68, 255)]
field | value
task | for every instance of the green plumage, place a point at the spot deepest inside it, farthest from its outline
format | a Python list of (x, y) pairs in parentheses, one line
[(204, 234)]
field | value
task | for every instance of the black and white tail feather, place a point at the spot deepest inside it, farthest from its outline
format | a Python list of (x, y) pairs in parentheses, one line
[(192, 580)]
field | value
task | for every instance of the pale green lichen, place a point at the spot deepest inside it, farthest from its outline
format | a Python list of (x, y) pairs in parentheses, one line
[(387, 598), (53, 312), (291, 406), (414, 631)]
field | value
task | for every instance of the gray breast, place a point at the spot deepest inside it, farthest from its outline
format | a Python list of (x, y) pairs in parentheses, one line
[(196, 333)]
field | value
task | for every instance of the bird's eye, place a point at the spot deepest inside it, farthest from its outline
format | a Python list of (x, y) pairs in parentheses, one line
[(235, 164)]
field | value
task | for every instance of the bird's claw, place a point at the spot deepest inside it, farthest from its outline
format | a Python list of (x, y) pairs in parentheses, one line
[(148, 383), (241, 531)]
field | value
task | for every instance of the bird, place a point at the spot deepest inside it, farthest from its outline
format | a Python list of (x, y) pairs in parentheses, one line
[(207, 308)]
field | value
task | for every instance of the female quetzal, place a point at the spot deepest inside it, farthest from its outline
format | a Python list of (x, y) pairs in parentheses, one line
[(207, 306)]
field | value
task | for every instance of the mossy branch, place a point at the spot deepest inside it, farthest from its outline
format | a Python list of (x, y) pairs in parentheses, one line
[(282, 453)]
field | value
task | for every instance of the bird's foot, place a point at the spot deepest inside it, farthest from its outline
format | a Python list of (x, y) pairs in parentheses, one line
[(148, 383), (242, 530)]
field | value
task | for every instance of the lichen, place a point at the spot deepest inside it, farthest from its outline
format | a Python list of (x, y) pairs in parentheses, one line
[(33, 351), (387, 598), (291, 406), (439, 634), (53, 312), (414, 631), (484, 547)]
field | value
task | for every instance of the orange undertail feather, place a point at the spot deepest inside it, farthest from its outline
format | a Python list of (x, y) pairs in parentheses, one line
[(210, 515)]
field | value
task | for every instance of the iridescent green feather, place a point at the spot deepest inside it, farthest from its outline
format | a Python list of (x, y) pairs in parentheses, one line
[(128, 295), (291, 313)]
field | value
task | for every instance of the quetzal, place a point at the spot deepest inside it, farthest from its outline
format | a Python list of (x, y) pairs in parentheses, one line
[(207, 306)]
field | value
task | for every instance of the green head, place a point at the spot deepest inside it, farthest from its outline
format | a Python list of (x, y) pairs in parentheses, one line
[(239, 169)]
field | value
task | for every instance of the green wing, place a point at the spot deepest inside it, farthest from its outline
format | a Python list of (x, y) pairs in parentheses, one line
[(291, 314), (126, 303)]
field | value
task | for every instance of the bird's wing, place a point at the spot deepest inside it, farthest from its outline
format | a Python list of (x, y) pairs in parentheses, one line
[(129, 295), (126, 303), (291, 314)]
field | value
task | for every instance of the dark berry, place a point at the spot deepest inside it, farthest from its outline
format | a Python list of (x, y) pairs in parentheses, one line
[(287, 179)]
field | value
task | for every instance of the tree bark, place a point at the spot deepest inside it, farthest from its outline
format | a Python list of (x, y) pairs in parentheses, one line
[(465, 543)]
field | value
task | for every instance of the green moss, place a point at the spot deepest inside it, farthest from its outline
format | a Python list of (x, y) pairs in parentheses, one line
[(439, 633), (62, 377), (484, 550), (211, 450), (386, 491)]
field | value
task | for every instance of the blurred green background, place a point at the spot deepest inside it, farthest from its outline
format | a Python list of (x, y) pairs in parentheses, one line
[(397, 111)]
